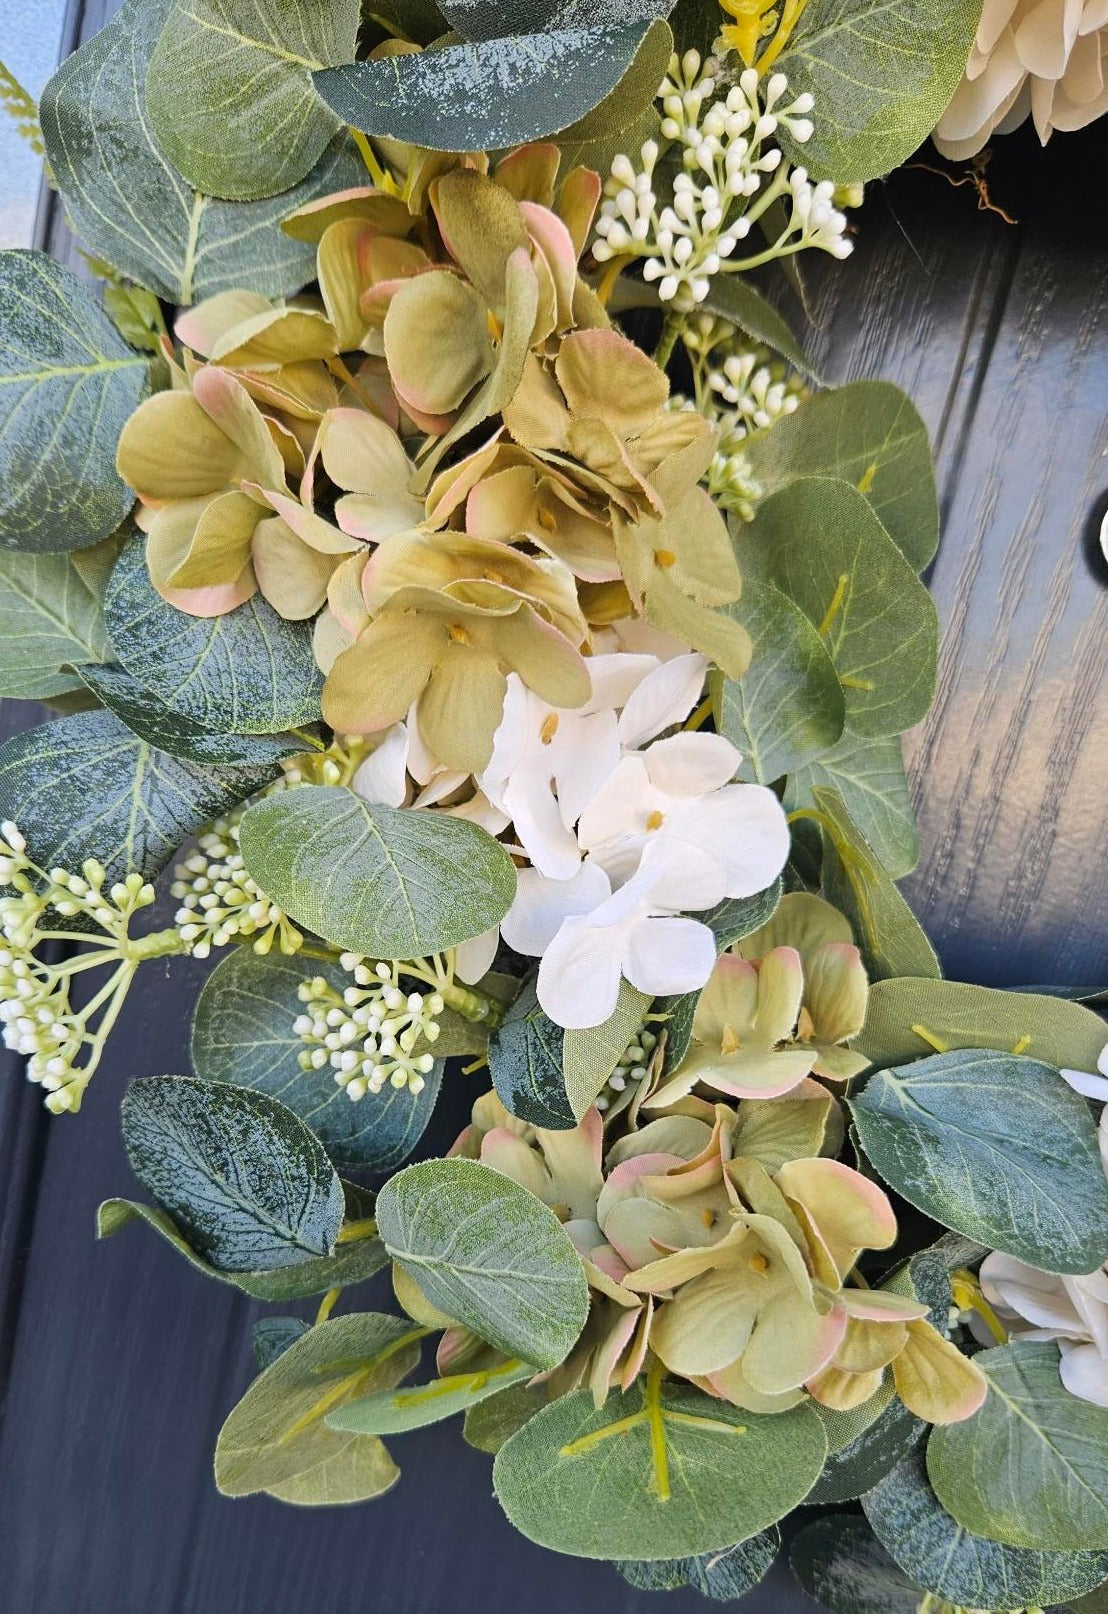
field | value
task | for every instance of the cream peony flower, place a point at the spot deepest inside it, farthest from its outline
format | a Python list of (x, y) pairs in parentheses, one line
[(1048, 58)]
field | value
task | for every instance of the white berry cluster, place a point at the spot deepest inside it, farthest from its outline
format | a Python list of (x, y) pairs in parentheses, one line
[(62, 1044), (730, 174), (634, 1064), (220, 903), (368, 1033)]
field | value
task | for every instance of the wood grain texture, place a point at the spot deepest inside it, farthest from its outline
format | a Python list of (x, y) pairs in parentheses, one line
[(122, 1362)]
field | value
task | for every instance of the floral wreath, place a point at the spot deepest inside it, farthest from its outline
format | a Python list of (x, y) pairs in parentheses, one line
[(441, 553)]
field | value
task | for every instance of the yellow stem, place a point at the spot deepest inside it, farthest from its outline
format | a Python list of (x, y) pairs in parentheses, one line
[(836, 605), (326, 1306), (658, 1454), (791, 14)]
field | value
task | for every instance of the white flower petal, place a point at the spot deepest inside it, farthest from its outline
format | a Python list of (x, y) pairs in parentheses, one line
[(665, 955), (539, 824), (586, 754), (1089, 1086), (1085, 1373), (615, 678), (619, 808), (383, 776), (473, 959), (664, 697), (691, 764), (541, 906), (578, 981), (745, 828)]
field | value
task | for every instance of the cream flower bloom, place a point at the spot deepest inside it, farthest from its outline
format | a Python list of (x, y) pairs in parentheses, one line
[(1046, 58)]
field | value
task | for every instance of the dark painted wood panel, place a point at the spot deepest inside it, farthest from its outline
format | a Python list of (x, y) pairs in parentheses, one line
[(123, 1362)]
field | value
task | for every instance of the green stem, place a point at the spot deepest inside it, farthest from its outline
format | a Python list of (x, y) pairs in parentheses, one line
[(158, 944), (671, 330)]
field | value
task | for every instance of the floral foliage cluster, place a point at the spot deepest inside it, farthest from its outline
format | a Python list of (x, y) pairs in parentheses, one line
[(446, 562)]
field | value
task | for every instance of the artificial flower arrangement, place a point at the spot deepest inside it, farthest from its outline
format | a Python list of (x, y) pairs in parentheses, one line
[(509, 695)]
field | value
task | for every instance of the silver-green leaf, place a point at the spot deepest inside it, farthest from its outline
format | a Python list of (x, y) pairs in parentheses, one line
[(229, 90), (838, 1561), (1030, 1469), (869, 776), (85, 786), (393, 883), (995, 1146), (242, 1177), (68, 382), (722, 1577), (52, 626), (131, 206), (146, 715), (395, 1412), (970, 1570), (249, 672), (489, 1254)]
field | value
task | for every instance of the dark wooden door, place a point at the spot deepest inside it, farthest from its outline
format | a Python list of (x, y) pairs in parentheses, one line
[(119, 1363)]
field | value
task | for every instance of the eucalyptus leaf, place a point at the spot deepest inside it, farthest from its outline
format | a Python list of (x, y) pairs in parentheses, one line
[(870, 434), (525, 1063), (393, 883), (840, 1563), (882, 73), (353, 1262), (229, 90), (819, 540), (733, 298), (249, 672), (489, 94), (68, 382), (53, 626), (788, 708), (128, 202), (907, 1019), (890, 936), (275, 1439), (722, 1577), (271, 1337), (692, 1476), (1030, 1469), (491, 19), (591, 1056), (995, 1146), (146, 715), (870, 779), (86, 786), (395, 1412), (489, 1254), (242, 1177), (242, 1033), (488, 1424), (949, 1560)]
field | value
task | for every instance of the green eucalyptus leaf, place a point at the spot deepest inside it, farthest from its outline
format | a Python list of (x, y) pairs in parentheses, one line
[(956, 1015), (275, 1439), (949, 1560), (722, 1577), (271, 1337), (888, 933), (68, 383), (869, 777), (129, 203), (242, 1033), (53, 626), (488, 1424), (788, 708), (86, 786), (353, 1262), (395, 1412), (882, 73), (229, 90), (1030, 1468), (819, 540), (525, 1063), (733, 298), (240, 1174), (710, 1475), (386, 881), (591, 1056), (995, 1146), (489, 1254), (492, 19), (146, 715), (867, 433), (249, 672), (489, 94), (840, 1563)]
